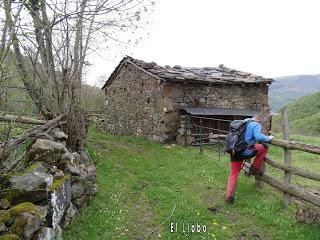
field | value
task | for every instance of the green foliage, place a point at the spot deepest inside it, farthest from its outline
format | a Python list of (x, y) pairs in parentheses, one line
[(140, 183), (93, 98), (303, 115)]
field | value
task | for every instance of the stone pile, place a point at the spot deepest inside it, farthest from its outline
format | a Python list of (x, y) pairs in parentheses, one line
[(38, 202)]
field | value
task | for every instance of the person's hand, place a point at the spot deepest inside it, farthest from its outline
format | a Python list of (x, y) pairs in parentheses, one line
[(270, 137)]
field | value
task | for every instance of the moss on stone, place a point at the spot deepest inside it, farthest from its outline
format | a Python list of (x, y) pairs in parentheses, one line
[(24, 207), (4, 216), (5, 204), (9, 236), (19, 226), (13, 194), (59, 182), (32, 167)]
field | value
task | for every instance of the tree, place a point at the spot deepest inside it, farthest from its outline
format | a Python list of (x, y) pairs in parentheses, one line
[(51, 39)]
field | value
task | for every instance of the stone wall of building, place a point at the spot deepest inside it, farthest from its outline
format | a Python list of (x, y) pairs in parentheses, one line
[(223, 96), (131, 104), (253, 97)]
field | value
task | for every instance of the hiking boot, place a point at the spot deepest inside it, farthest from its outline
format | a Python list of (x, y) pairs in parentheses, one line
[(230, 200), (255, 172)]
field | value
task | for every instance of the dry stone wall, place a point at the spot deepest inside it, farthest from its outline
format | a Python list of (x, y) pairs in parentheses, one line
[(39, 201)]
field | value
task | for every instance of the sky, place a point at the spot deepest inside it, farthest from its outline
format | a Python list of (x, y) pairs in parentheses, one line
[(271, 38)]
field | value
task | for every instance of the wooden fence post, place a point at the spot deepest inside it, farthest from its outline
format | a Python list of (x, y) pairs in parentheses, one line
[(258, 182), (201, 147), (287, 154), (185, 131)]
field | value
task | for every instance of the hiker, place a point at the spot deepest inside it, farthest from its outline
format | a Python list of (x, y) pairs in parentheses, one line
[(251, 135)]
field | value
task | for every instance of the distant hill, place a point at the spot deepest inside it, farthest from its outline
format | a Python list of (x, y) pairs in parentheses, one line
[(287, 89), (304, 116)]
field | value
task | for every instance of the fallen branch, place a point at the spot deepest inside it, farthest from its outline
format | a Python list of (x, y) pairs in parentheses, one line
[(16, 141), (20, 119)]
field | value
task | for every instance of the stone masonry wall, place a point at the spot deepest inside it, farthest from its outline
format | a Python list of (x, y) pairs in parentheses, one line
[(131, 104), (221, 96), (138, 104)]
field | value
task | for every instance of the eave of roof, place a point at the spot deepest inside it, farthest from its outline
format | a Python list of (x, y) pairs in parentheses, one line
[(205, 111)]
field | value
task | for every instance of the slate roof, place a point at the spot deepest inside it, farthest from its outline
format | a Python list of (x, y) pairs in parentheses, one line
[(216, 75)]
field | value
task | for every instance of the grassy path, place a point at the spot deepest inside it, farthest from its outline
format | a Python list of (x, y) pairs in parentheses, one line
[(142, 182)]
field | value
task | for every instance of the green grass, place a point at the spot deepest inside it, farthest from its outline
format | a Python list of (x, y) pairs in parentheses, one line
[(300, 159), (141, 182)]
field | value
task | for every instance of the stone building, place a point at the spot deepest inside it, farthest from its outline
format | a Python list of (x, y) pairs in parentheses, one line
[(147, 100)]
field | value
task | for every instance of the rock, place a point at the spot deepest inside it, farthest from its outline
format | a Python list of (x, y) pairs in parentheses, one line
[(43, 211), (77, 158), (46, 151), (34, 177), (92, 189), (58, 233), (4, 218), (91, 174), (69, 167), (81, 202), (16, 196), (67, 157), (24, 207), (3, 228), (44, 136), (59, 135), (46, 233), (85, 158), (36, 167), (9, 236), (25, 225), (77, 189), (53, 169), (69, 215), (31, 181), (4, 204), (58, 174), (60, 199)]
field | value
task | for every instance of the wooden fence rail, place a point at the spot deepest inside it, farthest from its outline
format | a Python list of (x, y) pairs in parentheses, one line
[(297, 171), (291, 189), (296, 146)]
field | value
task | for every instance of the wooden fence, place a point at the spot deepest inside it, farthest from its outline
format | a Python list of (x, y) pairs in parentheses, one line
[(285, 186)]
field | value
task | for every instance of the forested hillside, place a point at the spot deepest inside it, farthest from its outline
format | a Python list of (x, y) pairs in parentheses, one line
[(287, 89)]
